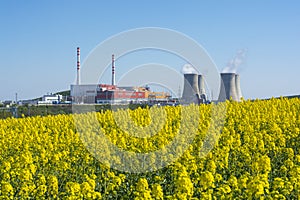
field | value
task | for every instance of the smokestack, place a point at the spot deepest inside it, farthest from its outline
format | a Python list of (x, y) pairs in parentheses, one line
[(113, 78), (238, 87), (228, 87), (78, 66), (190, 89), (201, 85)]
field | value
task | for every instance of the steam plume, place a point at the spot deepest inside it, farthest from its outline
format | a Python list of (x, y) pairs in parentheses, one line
[(188, 69), (235, 62)]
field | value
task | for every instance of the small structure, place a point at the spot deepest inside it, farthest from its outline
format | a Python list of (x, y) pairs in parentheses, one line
[(50, 99), (8, 103)]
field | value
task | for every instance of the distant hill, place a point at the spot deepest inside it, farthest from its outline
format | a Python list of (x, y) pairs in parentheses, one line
[(293, 96), (288, 97), (64, 93)]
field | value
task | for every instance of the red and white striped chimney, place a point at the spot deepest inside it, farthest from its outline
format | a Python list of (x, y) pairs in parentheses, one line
[(113, 78), (78, 66)]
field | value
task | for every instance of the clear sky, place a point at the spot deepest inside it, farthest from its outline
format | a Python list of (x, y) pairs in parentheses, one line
[(39, 39)]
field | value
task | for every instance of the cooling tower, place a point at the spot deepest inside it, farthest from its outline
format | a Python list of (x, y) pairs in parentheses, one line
[(228, 87), (201, 84), (190, 89), (238, 87)]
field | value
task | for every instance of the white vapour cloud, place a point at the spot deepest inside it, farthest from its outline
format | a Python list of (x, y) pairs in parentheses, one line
[(189, 69), (235, 62)]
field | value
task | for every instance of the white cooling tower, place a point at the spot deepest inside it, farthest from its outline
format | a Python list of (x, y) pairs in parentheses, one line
[(190, 89), (238, 87), (201, 84), (228, 87)]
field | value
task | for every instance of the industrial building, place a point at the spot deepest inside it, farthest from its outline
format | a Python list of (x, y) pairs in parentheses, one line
[(111, 93), (49, 99), (124, 95)]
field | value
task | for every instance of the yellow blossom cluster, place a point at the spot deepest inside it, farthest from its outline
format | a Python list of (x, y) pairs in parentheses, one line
[(254, 156)]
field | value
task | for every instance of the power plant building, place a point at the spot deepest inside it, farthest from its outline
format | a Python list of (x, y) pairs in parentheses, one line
[(84, 93), (111, 94)]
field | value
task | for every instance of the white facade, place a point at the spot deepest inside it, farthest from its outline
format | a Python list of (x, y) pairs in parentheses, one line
[(50, 99), (84, 93)]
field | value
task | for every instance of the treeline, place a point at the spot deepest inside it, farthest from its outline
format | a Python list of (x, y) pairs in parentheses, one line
[(44, 110)]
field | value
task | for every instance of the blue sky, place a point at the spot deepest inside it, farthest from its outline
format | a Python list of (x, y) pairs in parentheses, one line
[(39, 39)]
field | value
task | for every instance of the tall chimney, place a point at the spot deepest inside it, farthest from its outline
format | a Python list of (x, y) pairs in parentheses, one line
[(78, 66), (228, 87), (190, 88), (201, 84), (113, 78), (238, 87)]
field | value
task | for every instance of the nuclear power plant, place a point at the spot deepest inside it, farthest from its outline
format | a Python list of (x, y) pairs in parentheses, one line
[(194, 90)]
